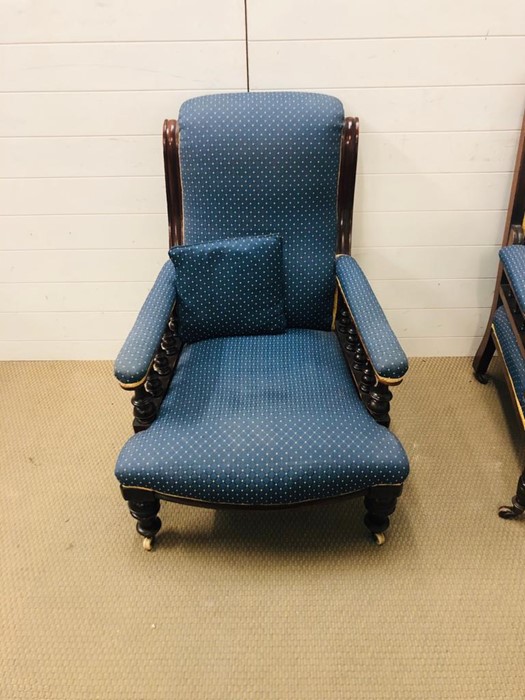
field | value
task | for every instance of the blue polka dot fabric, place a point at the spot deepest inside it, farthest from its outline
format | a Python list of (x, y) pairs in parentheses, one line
[(511, 352), (137, 353), (262, 420), (230, 287), (268, 163), (385, 353), (513, 259)]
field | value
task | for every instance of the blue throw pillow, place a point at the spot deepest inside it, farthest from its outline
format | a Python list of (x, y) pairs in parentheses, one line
[(229, 287)]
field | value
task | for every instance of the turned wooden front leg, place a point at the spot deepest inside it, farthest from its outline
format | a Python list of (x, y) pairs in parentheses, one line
[(380, 503), (144, 506), (145, 513)]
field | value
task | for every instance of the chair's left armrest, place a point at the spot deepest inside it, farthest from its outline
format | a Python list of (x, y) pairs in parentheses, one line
[(382, 347), (137, 353)]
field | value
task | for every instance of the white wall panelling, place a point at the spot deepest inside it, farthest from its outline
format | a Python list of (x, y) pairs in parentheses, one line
[(434, 109), (84, 156), (440, 101), (56, 21), (111, 265), (82, 195), (84, 88), (73, 296), (432, 192), (65, 325), (445, 152), (83, 92), (417, 228), (386, 62), (83, 231), (332, 19), (41, 349), (123, 66), (93, 113), (434, 293), (440, 262)]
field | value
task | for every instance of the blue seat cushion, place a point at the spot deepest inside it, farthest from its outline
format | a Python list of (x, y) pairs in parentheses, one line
[(511, 353), (262, 420)]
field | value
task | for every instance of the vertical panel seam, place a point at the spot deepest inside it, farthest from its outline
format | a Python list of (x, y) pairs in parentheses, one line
[(246, 45)]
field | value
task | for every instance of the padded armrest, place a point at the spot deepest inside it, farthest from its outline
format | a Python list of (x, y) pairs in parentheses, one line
[(382, 347), (513, 260), (138, 351)]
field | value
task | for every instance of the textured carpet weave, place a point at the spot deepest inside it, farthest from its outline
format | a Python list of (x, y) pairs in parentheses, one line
[(270, 606)]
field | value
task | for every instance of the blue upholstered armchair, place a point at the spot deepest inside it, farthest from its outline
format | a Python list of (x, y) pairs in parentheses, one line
[(261, 360)]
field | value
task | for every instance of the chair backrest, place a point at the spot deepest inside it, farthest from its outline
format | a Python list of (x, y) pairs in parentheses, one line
[(268, 163)]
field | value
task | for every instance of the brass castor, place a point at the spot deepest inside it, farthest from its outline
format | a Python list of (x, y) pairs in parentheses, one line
[(380, 538), (148, 543), (511, 512), (482, 378)]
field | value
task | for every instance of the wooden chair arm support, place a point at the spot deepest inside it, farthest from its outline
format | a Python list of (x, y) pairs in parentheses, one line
[(373, 391), (151, 389)]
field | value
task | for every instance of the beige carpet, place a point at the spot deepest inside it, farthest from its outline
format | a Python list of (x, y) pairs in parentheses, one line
[(283, 605)]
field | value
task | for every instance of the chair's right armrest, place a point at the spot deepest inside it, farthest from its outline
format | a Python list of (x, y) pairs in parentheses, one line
[(137, 353), (386, 355)]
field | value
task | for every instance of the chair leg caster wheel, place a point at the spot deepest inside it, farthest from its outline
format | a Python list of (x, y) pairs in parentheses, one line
[(147, 543), (482, 378), (380, 538), (509, 512)]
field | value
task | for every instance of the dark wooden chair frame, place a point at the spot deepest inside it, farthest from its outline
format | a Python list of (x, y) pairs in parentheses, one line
[(513, 234), (380, 501)]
